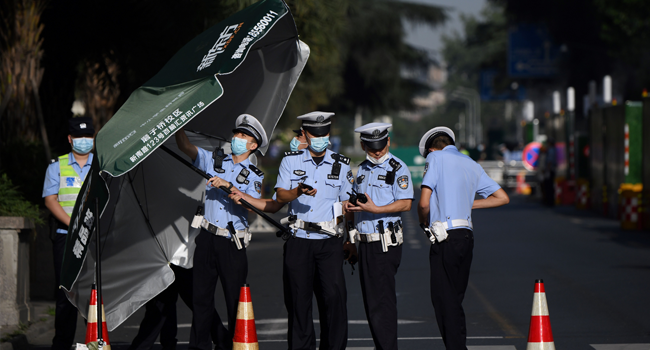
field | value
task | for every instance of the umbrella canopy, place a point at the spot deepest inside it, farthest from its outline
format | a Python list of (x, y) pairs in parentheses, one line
[(249, 63)]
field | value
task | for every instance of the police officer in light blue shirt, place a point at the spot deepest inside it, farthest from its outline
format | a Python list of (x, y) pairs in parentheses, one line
[(218, 255), (63, 180), (386, 182), (451, 182), (314, 182)]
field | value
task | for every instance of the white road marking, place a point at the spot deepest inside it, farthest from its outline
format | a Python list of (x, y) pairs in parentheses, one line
[(621, 346), (284, 321)]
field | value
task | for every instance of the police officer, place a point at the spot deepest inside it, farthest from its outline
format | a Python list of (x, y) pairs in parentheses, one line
[(218, 254), (450, 183), (63, 180), (298, 142), (313, 182), (386, 182)]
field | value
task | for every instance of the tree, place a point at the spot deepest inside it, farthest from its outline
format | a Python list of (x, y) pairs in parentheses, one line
[(376, 53)]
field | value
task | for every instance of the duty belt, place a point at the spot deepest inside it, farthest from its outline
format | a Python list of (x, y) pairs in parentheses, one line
[(369, 237), (457, 223), (216, 230), (326, 227)]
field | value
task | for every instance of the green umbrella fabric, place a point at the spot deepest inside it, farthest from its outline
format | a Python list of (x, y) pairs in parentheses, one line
[(248, 63)]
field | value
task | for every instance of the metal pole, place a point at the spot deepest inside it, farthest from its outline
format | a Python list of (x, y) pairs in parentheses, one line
[(98, 273), (244, 203), (469, 126)]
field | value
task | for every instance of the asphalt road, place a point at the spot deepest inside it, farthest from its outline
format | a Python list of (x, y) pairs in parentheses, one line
[(596, 278)]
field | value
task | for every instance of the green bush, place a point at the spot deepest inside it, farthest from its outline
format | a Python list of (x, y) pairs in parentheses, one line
[(12, 203)]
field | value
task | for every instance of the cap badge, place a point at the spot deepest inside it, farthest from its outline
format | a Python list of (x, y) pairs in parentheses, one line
[(82, 126), (375, 133), (320, 119), (245, 120)]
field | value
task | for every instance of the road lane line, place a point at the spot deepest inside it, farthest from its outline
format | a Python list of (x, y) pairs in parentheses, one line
[(508, 328), (620, 346)]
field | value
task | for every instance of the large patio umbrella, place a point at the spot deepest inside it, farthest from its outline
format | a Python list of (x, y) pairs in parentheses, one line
[(249, 63)]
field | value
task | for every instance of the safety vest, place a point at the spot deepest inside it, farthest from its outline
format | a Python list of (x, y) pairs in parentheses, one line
[(69, 184)]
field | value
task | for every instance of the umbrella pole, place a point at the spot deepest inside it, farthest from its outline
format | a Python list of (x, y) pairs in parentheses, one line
[(98, 274), (244, 203)]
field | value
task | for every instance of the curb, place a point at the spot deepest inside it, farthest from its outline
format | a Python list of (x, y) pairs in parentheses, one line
[(18, 342)]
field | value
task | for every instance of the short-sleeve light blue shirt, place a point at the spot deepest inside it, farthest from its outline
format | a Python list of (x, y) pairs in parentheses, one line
[(371, 179), (53, 177), (455, 179), (219, 209), (330, 188)]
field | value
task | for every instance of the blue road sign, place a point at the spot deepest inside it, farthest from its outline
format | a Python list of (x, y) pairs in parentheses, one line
[(491, 92), (531, 52)]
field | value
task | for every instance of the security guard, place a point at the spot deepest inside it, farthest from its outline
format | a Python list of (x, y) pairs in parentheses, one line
[(450, 183), (218, 254), (386, 183), (313, 182), (63, 180)]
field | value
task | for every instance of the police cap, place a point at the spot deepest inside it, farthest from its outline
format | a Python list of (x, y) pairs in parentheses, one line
[(316, 123), (249, 125), (81, 126), (374, 135), (427, 140)]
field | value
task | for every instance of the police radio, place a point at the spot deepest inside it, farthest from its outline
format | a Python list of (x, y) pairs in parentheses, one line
[(357, 197), (218, 156)]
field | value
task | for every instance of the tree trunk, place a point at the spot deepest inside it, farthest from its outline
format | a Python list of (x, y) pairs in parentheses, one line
[(41, 120)]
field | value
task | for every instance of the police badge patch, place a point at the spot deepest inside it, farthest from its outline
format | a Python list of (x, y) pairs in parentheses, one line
[(403, 182), (360, 179), (350, 177), (299, 172), (258, 187), (426, 167)]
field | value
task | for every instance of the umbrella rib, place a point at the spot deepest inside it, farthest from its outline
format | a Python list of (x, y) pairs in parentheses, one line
[(208, 135), (146, 218)]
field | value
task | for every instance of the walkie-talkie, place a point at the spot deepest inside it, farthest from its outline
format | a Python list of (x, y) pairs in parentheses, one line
[(218, 156)]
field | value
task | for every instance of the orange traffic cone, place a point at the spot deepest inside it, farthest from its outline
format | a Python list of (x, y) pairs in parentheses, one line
[(245, 333), (91, 327), (540, 336)]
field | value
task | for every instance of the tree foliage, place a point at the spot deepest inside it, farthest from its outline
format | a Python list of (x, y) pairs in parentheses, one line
[(376, 53)]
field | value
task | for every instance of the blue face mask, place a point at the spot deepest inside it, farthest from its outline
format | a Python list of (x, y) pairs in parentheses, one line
[(319, 144), (295, 143), (238, 146), (82, 145)]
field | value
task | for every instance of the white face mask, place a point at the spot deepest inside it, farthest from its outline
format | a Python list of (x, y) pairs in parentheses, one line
[(375, 160)]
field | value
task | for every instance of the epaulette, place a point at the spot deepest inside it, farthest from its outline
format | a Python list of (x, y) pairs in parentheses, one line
[(341, 158), (292, 153), (257, 171), (395, 164), (52, 161), (365, 162)]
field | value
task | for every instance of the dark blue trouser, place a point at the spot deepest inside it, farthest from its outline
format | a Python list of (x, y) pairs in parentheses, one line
[(450, 263)]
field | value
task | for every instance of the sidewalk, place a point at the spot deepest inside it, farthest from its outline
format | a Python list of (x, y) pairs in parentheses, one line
[(20, 337)]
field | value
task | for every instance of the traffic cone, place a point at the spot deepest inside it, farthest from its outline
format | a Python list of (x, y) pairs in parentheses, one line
[(91, 327), (245, 333), (540, 336)]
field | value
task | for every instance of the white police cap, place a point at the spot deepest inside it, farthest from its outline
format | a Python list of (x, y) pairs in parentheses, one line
[(374, 135), (249, 125), (425, 141), (316, 123)]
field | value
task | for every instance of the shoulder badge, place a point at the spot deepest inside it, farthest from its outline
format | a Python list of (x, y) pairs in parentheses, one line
[(426, 167), (403, 182), (258, 187), (341, 158), (257, 171), (350, 177), (292, 153)]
